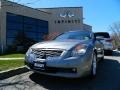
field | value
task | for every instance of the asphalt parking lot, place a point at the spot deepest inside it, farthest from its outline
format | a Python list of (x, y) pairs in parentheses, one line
[(108, 78)]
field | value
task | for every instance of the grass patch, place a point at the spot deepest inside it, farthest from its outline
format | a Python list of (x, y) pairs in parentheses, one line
[(10, 64), (12, 55)]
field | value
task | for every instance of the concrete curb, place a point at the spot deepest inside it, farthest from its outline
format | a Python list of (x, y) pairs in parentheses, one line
[(11, 58), (12, 72)]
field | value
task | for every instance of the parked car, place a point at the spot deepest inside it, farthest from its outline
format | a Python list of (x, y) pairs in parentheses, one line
[(118, 48), (106, 40), (72, 54)]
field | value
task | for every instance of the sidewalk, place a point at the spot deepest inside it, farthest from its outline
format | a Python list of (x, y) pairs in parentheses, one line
[(19, 58)]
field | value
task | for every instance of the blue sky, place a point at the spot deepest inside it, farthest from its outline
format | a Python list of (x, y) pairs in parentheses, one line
[(97, 13)]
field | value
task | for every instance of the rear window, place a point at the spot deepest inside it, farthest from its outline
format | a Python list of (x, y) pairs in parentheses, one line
[(104, 35)]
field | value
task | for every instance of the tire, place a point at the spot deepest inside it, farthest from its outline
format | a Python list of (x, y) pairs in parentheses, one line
[(93, 66)]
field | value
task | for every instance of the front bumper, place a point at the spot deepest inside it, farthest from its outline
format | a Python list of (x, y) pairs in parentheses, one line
[(72, 67)]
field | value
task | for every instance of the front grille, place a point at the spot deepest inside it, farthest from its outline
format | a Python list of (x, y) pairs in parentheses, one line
[(43, 54)]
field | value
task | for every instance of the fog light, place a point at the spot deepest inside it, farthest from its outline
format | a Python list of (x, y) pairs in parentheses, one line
[(74, 70)]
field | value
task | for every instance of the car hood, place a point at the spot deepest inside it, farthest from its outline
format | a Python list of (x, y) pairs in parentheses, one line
[(66, 44)]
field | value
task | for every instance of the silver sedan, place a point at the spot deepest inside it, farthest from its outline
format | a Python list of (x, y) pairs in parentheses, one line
[(72, 54)]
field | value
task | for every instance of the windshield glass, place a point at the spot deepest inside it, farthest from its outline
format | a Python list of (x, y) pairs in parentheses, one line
[(74, 36)]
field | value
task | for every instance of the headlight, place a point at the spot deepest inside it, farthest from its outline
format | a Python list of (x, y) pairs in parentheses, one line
[(79, 50), (30, 57), (29, 51)]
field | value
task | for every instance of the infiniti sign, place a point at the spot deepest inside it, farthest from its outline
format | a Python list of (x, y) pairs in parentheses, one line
[(67, 14)]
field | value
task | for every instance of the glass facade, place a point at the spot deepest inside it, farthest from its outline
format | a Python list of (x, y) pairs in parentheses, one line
[(24, 27)]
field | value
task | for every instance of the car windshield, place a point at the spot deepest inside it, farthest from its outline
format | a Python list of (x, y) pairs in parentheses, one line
[(102, 35), (74, 36)]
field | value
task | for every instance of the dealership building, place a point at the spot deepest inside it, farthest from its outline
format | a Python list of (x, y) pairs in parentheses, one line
[(18, 20)]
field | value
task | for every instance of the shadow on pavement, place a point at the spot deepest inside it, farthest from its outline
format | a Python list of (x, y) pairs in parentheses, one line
[(108, 78)]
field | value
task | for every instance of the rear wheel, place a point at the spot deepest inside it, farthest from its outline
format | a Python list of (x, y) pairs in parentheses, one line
[(102, 58), (94, 66)]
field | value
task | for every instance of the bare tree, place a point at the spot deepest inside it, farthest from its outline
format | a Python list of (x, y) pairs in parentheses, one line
[(115, 29)]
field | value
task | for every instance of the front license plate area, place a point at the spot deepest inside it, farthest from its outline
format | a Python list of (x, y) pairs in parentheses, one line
[(39, 66)]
